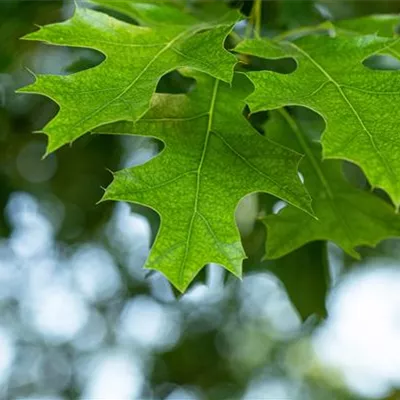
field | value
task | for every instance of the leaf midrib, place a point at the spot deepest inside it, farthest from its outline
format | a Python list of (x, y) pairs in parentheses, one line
[(198, 179)]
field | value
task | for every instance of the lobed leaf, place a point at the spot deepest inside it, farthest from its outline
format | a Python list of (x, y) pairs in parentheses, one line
[(212, 159), (348, 216), (121, 87), (359, 105)]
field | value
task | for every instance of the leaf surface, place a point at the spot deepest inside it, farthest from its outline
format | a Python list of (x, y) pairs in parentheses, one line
[(359, 105), (120, 88), (212, 159), (305, 273), (159, 12), (380, 24), (346, 215)]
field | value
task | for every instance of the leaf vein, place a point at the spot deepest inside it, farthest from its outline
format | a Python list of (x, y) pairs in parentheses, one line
[(142, 72), (352, 108), (249, 164), (216, 240), (196, 198)]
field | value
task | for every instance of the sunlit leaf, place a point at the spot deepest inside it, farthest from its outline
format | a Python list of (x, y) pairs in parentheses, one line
[(348, 216), (120, 88), (212, 159), (359, 105)]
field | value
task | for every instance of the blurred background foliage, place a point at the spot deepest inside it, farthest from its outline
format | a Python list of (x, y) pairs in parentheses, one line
[(81, 319)]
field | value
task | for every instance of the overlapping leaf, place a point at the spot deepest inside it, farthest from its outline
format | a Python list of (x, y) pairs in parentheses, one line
[(359, 105), (150, 12), (381, 25), (212, 159), (346, 215), (121, 87), (167, 12), (305, 274)]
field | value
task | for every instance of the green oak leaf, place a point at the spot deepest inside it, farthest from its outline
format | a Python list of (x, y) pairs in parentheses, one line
[(151, 13), (384, 25), (212, 159), (380, 24), (346, 215), (159, 12), (120, 88), (359, 105), (305, 275)]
